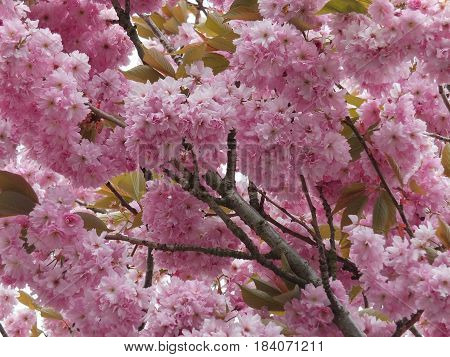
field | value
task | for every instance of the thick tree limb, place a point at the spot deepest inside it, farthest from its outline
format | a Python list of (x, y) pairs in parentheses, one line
[(201, 193), (444, 97), (127, 25), (375, 165), (262, 228), (122, 200), (3, 331), (332, 254), (342, 317), (415, 332), (407, 324), (111, 118)]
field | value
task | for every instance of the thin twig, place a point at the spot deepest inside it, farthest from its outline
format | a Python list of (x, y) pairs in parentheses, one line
[(161, 37), (150, 263), (375, 165), (406, 324), (444, 97), (122, 200), (218, 252), (332, 253), (230, 176), (111, 118), (287, 213), (3, 331), (438, 137), (346, 264), (342, 317), (91, 208)]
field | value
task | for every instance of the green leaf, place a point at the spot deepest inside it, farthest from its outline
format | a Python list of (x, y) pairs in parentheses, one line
[(348, 193), (354, 207), (35, 332), (246, 10), (344, 246), (259, 299), (192, 53), (354, 292), (137, 221), (216, 62), (356, 147), (158, 61), (142, 28), (171, 25), (16, 183), (181, 12), (354, 100), (265, 286), (27, 300), (106, 202), (48, 313), (288, 296), (215, 23), (287, 268), (416, 188), (431, 254), (344, 7), (93, 222), (326, 233), (384, 213), (445, 159), (14, 204), (394, 166), (142, 74), (443, 233), (375, 313), (221, 43), (300, 23), (133, 183)]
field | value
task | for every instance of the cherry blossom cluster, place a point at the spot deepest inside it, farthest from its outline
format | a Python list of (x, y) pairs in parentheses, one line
[(337, 124), (172, 216), (86, 26)]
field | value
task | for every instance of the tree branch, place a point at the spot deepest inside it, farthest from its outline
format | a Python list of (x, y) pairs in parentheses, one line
[(111, 118), (346, 264), (332, 254), (261, 227), (444, 97), (230, 176), (127, 25), (122, 200), (438, 137), (407, 324), (287, 213), (218, 252), (201, 193), (150, 263), (3, 331), (161, 37), (342, 317), (398, 205)]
